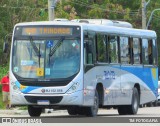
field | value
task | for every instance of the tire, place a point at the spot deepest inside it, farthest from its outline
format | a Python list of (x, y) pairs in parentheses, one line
[(150, 104), (77, 111), (141, 106), (133, 108), (81, 111), (34, 112), (122, 110), (72, 111), (155, 103), (93, 110)]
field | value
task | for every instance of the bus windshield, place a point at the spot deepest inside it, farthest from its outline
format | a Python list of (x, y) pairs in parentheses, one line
[(46, 59)]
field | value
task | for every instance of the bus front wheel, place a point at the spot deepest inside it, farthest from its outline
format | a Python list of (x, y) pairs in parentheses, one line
[(72, 110), (93, 110), (33, 111)]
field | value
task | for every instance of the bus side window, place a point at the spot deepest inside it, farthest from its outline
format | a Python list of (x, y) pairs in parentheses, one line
[(130, 53), (154, 48), (124, 48), (136, 51), (101, 48), (89, 52), (113, 49), (89, 48), (150, 51), (145, 51)]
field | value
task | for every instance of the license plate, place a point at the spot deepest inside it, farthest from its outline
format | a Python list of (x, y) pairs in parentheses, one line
[(43, 102)]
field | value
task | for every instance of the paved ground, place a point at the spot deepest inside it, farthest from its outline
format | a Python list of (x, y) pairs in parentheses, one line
[(17, 112), (61, 116), (142, 112)]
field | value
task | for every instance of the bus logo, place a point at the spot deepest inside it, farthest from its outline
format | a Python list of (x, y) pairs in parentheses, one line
[(43, 90)]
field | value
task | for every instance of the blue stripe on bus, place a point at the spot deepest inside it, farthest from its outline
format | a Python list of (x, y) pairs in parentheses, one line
[(27, 88), (145, 74)]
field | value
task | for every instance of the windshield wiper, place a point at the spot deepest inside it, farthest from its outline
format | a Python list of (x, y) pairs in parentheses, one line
[(36, 50), (56, 46)]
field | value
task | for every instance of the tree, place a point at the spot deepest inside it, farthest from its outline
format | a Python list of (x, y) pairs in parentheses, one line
[(12, 12)]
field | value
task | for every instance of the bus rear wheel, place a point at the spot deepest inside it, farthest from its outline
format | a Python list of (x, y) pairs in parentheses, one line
[(133, 108), (33, 111)]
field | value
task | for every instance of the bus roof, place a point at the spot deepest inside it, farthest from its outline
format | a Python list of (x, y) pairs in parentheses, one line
[(105, 22), (115, 30)]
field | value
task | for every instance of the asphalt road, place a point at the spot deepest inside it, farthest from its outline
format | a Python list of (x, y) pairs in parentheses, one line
[(109, 116), (142, 112)]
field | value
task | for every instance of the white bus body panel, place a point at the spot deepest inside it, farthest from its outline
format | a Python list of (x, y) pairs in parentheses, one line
[(75, 98), (117, 90), (118, 87)]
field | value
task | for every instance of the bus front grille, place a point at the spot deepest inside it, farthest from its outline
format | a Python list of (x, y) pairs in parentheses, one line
[(51, 99)]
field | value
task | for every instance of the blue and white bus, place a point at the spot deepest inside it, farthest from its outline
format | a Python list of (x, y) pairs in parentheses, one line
[(82, 65)]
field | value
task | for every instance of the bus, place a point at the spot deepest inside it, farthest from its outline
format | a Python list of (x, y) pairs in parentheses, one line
[(82, 65)]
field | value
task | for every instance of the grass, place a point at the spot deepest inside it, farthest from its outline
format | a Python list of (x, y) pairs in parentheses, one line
[(1, 102), (3, 70)]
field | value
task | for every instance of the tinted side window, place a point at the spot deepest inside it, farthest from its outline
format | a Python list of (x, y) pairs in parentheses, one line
[(150, 52), (101, 48), (136, 51), (145, 51), (113, 49), (154, 52), (89, 47), (124, 48)]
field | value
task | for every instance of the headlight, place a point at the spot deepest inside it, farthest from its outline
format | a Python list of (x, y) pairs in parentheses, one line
[(12, 83), (73, 88), (14, 87)]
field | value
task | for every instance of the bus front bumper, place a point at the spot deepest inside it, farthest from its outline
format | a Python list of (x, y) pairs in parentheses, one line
[(75, 98)]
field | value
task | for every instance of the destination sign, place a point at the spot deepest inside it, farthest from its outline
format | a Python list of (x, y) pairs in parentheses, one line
[(46, 31)]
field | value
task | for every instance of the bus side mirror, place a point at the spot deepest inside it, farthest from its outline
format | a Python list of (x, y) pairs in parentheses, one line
[(5, 47)]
